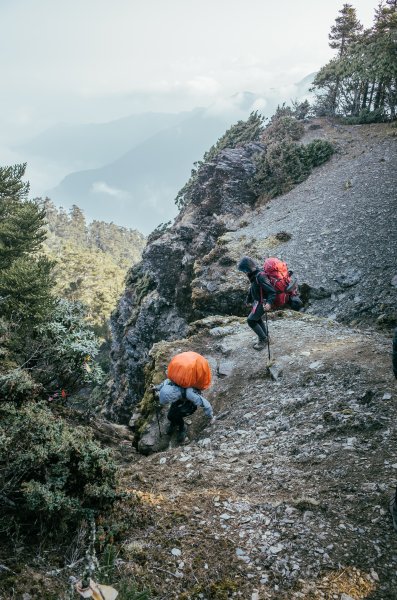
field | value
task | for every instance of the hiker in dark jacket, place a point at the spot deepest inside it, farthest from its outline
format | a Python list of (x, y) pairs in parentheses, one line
[(184, 402), (261, 295)]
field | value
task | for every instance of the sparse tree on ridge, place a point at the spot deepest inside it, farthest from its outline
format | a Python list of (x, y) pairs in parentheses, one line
[(361, 81), (346, 30)]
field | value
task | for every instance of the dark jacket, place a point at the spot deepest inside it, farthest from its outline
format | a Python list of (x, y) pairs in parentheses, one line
[(259, 282)]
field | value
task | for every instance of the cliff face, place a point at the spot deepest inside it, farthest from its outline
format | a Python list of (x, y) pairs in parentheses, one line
[(336, 231), (158, 304)]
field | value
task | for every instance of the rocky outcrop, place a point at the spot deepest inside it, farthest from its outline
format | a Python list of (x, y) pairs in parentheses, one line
[(157, 304), (336, 231)]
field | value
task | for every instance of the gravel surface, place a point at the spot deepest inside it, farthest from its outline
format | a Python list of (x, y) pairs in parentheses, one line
[(288, 492)]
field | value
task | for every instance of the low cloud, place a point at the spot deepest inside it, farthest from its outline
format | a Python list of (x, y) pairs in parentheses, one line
[(101, 187)]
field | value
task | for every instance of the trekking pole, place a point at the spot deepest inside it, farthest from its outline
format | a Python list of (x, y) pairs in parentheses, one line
[(267, 329), (158, 420)]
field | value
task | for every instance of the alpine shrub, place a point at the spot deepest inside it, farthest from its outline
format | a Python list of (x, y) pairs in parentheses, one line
[(318, 152), (278, 169), (49, 470), (367, 116), (284, 128), (285, 163)]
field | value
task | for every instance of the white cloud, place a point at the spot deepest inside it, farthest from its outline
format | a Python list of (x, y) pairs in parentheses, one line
[(203, 85), (101, 187)]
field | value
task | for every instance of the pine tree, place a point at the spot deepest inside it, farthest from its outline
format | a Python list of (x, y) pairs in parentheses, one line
[(77, 225), (361, 81), (25, 275), (346, 29)]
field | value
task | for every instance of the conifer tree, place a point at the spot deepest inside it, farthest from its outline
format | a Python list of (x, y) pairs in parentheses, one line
[(346, 29), (361, 81), (25, 275)]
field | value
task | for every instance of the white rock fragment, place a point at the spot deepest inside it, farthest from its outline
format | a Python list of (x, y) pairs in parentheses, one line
[(374, 575), (204, 442), (176, 552), (315, 365), (276, 549)]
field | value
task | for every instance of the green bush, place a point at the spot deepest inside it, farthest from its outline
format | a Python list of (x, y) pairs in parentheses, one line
[(16, 385), (278, 169), (283, 128), (318, 152), (50, 471), (367, 116), (285, 163), (63, 348)]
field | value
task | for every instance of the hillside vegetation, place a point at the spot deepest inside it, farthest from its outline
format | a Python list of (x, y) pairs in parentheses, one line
[(284, 496), (90, 259)]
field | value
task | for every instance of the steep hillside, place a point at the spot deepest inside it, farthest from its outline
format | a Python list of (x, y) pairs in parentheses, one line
[(335, 231), (287, 493), (91, 259)]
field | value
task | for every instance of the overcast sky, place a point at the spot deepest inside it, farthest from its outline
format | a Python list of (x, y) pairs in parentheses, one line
[(95, 60)]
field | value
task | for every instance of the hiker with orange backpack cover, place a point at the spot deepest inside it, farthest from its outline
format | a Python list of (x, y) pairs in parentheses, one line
[(188, 374)]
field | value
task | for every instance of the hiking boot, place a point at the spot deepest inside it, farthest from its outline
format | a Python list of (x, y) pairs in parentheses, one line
[(393, 511), (261, 345), (181, 435)]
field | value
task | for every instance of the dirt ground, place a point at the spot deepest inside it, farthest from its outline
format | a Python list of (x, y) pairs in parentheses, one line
[(288, 492)]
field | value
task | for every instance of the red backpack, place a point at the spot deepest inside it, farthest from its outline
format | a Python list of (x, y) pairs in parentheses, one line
[(277, 272)]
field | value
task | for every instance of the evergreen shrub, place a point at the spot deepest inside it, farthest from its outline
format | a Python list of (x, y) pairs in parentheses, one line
[(283, 128), (366, 116), (50, 471), (318, 152), (285, 164)]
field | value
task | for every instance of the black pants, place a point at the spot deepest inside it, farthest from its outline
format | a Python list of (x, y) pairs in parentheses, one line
[(178, 410), (256, 323)]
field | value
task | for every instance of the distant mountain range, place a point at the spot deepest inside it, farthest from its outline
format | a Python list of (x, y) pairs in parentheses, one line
[(129, 171)]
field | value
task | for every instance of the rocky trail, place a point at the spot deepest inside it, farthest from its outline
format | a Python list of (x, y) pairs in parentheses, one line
[(287, 493)]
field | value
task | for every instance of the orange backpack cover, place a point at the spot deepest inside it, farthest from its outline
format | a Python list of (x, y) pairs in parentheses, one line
[(190, 369)]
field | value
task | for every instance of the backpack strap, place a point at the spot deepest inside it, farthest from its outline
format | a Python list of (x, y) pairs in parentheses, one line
[(259, 285)]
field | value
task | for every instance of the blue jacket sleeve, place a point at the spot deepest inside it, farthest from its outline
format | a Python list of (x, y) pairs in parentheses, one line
[(198, 400), (169, 393)]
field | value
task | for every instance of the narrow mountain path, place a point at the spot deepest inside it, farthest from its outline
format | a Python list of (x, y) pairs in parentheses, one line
[(287, 493)]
